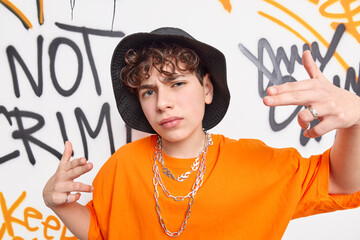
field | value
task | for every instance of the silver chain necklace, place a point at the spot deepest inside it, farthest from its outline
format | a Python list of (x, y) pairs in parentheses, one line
[(183, 176), (197, 184)]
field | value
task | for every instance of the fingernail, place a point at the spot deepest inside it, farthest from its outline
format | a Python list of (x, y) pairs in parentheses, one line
[(268, 100), (272, 90), (89, 165)]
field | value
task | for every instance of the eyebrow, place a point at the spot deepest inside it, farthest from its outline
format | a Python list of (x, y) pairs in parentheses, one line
[(167, 79), (173, 77), (146, 86)]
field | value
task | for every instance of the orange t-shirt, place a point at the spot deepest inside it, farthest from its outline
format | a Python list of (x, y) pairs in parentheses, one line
[(250, 191)]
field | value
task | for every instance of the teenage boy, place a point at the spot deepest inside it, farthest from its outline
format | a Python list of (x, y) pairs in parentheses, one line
[(188, 183)]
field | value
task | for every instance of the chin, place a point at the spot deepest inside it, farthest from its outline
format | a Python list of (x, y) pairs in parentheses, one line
[(173, 136)]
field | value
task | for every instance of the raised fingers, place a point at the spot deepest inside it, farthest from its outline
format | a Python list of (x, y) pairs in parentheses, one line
[(320, 129), (310, 66), (77, 187), (61, 188), (293, 93), (327, 121), (305, 97), (67, 152), (73, 164), (72, 197), (290, 87), (305, 117), (77, 167)]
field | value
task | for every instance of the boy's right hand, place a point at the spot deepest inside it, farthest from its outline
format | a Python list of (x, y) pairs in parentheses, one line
[(58, 190)]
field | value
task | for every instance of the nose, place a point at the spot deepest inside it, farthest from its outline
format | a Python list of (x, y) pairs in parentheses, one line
[(164, 99)]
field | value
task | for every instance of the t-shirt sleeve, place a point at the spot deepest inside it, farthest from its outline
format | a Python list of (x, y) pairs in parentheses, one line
[(94, 230), (315, 197)]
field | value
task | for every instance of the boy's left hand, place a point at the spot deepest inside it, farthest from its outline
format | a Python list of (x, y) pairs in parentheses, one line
[(336, 108)]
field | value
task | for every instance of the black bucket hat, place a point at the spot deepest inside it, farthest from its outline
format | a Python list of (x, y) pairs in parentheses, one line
[(214, 61)]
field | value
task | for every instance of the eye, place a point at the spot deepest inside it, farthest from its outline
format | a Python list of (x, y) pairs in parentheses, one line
[(148, 93), (178, 84)]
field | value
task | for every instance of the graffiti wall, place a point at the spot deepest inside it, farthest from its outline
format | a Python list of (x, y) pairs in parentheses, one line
[(55, 86)]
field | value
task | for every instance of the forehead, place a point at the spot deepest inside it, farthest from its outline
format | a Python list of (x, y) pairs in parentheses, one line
[(168, 72), (156, 76)]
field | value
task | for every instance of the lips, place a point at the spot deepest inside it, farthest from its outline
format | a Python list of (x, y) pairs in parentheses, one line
[(170, 122)]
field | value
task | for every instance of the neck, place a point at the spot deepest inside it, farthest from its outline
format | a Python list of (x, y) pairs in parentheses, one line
[(189, 148)]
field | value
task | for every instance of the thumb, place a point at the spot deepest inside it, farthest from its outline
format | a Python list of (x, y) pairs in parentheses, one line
[(67, 152), (310, 66)]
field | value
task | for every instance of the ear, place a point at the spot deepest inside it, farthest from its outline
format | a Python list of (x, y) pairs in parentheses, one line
[(208, 89)]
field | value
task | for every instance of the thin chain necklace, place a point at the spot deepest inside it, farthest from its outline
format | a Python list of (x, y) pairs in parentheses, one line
[(197, 184), (183, 176)]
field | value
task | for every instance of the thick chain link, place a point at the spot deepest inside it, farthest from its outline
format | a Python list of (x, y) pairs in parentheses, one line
[(183, 176), (197, 184)]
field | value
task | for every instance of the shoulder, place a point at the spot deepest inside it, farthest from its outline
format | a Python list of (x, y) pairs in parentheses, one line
[(137, 146), (129, 154), (253, 148), (256, 157), (134, 149), (242, 143)]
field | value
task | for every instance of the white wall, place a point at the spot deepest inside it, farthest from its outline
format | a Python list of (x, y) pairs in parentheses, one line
[(23, 174)]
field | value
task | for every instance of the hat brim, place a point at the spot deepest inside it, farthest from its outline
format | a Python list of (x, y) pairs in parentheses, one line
[(128, 103)]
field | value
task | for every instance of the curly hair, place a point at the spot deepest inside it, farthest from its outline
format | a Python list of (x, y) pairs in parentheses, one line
[(165, 58)]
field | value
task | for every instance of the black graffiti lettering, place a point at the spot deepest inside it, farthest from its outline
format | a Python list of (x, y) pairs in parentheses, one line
[(276, 77), (336, 80), (351, 81), (13, 154), (26, 134), (85, 33), (62, 126), (258, 62), (9, 156), (315, 51), (63, 129), (12, 55), (275, 126), (82, 121), (20, 118), (289, 63), (52, 53), (350, 73)]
